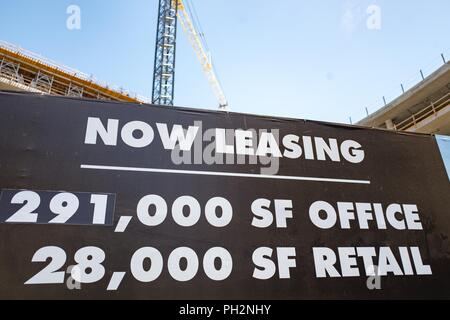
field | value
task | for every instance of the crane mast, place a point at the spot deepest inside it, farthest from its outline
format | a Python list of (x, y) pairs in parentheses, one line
[(165, 49), (171, 11)]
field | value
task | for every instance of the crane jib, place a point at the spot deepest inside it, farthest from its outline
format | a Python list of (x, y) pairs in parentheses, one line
[(171, 11)]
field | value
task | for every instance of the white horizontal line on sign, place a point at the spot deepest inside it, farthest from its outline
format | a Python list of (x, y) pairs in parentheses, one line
[(222, 174)]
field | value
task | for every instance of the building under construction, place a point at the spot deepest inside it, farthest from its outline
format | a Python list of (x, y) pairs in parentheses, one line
[(23, 70), (425, 108)]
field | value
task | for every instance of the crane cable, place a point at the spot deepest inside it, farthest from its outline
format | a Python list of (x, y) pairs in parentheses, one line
[(196, 21), (200, 31)]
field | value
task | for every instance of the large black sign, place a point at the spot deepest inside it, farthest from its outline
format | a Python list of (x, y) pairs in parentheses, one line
[(112, 200)]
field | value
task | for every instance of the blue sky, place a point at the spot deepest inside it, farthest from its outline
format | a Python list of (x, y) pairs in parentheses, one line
[(303, 59)]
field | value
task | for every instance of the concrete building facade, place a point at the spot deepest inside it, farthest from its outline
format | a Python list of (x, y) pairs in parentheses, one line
[(425, 108)]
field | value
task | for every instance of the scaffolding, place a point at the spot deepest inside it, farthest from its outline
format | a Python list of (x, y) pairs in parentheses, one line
[(27, 71)]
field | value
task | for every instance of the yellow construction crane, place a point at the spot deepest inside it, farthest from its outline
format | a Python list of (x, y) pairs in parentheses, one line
[(170, 11), (203, 57)]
